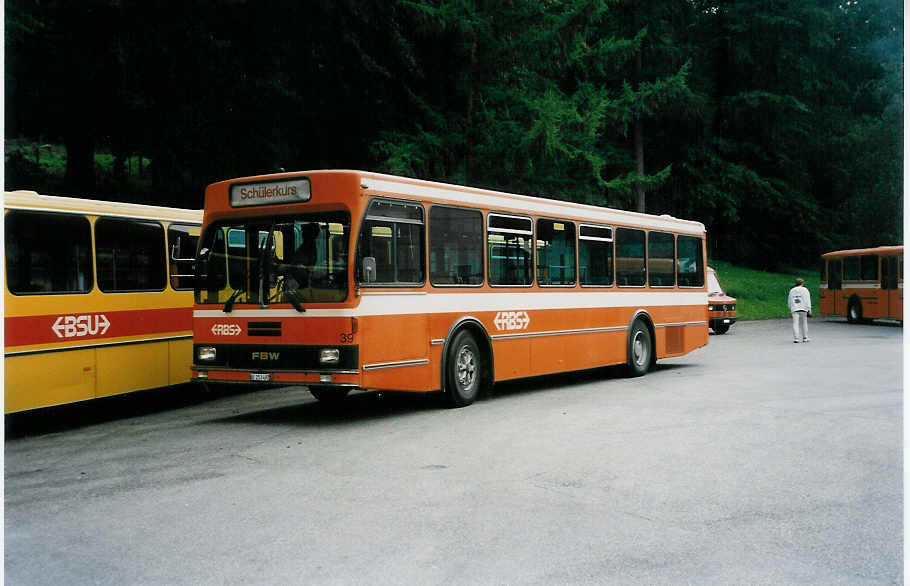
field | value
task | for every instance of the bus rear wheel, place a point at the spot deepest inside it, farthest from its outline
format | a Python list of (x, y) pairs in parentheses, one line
[(855, 311), (641, 349), (463, 370)]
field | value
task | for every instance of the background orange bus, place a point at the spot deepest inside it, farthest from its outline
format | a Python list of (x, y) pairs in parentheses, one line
[(863, 284), (344, 279), (98, 298)]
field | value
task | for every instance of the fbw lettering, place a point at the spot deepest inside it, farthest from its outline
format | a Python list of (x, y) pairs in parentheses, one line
[(266, 355)]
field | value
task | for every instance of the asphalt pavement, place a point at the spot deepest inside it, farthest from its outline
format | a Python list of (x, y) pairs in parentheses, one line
[(752, 460)]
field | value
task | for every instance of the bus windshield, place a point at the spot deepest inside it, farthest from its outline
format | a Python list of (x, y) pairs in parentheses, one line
[(714, 287), (298, 260)]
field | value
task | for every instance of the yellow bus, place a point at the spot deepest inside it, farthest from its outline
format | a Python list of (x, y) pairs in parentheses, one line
[(340, 280), (98, 298)]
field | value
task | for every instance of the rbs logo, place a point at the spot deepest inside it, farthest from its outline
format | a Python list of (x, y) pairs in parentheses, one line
[(226, 330), (512, 320), (77, 326)]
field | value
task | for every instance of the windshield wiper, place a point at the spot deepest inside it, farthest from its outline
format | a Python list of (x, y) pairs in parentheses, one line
[(291, 295), (229, 304)]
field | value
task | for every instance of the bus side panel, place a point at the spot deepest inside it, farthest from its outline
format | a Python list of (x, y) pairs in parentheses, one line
[(896, 303), (511, 358), (132, 367), (875, 302), (43, 380), (180, 354), (679, 330), (386, 340)]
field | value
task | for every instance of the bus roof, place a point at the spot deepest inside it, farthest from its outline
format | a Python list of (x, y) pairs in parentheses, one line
[(896, 249), (30, 200), (458, 194)]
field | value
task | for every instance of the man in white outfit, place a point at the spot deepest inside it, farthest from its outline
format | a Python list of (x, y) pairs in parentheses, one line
[(800, 303)]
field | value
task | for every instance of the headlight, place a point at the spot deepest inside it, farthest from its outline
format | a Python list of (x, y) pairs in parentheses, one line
[(205, 353), (710, 308), (329, 356)]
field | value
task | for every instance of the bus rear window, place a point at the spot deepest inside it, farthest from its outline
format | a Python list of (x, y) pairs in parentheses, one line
[(690, 264)]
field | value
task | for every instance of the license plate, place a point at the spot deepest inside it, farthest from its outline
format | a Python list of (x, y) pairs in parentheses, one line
[(260, 377)]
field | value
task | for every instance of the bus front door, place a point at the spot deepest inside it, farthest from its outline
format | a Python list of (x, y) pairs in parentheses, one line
[(835, 279)]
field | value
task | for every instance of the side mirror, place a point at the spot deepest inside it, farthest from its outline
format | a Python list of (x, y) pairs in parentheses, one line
[(202, 268), (369, 269)]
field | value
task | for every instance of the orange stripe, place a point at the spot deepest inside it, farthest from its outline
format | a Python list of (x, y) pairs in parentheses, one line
[(79, 327)]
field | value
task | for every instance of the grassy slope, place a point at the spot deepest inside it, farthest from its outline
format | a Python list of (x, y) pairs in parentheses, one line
[(762, 295)]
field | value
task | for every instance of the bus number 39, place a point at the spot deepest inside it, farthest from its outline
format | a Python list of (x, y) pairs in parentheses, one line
[(347, 338)]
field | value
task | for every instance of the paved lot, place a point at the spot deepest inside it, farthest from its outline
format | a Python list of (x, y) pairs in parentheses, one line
[(754, 460)]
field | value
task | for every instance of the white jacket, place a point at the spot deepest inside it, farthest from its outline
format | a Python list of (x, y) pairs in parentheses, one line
[(799, 299)]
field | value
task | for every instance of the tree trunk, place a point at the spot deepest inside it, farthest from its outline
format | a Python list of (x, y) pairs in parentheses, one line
[(80, 162), (638, 132), (639, 164), (470, 111)]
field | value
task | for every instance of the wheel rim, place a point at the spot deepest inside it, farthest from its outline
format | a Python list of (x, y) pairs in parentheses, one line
[(640, 348), (853, 312), (465, 367)]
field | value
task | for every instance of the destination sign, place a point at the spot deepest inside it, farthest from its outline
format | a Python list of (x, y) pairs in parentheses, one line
[(270, 192)]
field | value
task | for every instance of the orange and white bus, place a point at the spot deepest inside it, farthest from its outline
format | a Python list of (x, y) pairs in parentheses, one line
[(98, 298), (863, 284), (340, 280)]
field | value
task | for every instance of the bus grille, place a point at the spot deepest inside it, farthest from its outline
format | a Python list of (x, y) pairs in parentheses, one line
[(264, 328)]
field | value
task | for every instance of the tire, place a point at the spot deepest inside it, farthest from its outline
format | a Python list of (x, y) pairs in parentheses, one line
[(463, 370), (641, 349), (329, 395), (855, 311), (721, 329)]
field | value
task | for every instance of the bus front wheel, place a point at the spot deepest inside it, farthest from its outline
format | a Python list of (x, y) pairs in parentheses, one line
[(463, 370), (329, 395), (641, 348)]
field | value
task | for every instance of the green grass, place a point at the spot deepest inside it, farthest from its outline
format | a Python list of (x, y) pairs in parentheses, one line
[(51, 158), (761, 295)]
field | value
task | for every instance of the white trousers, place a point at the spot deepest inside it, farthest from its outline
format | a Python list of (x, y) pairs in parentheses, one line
[(800, 323)]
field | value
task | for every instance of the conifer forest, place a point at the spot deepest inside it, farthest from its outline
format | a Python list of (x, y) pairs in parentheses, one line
[(776, 123)]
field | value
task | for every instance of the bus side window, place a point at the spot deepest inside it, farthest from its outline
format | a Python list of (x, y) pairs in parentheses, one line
[(456, 246), (869, 267), (182, 241), (595, 255), (660, 260), (509, 247), (48, 253), (392, 235), (555, 252), (630, 257), (130, 255)]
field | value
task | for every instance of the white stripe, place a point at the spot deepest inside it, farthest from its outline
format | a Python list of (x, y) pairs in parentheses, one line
[(398, 364), (391, 303), (505, 201), (848, 286)]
